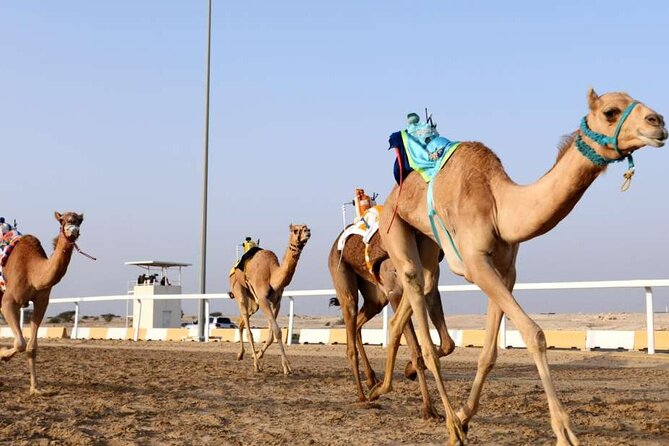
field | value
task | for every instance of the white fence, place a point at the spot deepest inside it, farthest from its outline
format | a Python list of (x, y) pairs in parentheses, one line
[(646, 285)]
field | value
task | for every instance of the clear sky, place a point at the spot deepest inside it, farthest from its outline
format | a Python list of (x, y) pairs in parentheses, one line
[(102, 112)]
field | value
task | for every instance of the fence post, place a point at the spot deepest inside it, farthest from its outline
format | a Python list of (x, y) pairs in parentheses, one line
[(291, 316), (75, 330), (650, 322), (21, 319), (385, 326), (502, 332), (206, 321), (139, 320)]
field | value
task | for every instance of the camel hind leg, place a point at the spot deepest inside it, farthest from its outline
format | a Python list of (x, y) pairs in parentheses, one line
[(10, 311), (244, 302)]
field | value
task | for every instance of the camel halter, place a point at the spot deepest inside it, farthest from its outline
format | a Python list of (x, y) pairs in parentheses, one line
[(74, 243), (605, 141)]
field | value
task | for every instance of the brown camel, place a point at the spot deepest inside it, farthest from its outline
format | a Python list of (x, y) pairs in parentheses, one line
[(261, 285), (488, 216), (30, 276), (350, 274)]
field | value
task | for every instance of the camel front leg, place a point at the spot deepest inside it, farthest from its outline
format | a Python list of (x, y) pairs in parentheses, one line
[(264, 304), (413, 293), (270, 339), (40, 305), (436, 312), (486, 363), (397, 322), (492, 285), (10, 311), (416, 367), (373, 303)]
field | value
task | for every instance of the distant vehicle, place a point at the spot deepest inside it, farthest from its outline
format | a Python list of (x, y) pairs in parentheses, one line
[(215, 322)]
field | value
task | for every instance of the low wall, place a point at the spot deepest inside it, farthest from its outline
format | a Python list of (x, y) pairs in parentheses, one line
[(562, 339)]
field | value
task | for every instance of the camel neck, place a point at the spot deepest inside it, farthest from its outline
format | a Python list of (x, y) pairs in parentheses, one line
[(288, 265), (56, 265), (529, 211)]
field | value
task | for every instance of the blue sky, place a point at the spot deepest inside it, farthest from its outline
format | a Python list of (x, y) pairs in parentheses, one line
[(102, 111)]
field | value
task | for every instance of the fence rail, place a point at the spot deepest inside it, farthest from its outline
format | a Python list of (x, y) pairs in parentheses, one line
[(646, 285)]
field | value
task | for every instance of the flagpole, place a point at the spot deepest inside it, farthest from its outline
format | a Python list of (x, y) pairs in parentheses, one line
[(203, 318)]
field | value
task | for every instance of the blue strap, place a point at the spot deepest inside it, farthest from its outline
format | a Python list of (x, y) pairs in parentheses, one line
[(431, 213), (604, 140)]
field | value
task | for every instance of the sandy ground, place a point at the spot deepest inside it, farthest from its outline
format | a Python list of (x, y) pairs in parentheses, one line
[(150, 393)]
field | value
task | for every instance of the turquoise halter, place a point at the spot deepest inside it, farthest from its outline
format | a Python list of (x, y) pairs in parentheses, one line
[(604, 140)]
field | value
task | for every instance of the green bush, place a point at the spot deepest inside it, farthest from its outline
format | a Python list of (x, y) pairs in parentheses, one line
[(65, 316), (108, 316)]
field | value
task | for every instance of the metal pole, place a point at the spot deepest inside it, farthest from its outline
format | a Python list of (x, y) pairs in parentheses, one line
[(76, 321), (203, 245), (206, 310), (650, 322), (502, 332), (385, 326), (21, 317), (138, 321), (343, 213), (291, 317)]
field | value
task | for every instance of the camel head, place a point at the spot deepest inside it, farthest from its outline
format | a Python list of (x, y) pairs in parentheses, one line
[(635, 124), (69, 224), (299, 235)]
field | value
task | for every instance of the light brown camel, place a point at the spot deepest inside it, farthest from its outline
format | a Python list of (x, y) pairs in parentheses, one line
[(351, 275), (488, 216), (30, 275), (261, 285)]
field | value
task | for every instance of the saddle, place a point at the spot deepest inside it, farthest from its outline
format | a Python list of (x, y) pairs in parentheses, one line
[(367, 227), (9, 240), (248, 255)]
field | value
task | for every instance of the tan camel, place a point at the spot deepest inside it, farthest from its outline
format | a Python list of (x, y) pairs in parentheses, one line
[(350, 275), (30, 275), (488, 216), (261, 285)]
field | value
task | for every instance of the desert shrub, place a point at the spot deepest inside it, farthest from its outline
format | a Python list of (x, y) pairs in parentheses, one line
[(54, 320), (108, 316), (65, 316), (216, 313)]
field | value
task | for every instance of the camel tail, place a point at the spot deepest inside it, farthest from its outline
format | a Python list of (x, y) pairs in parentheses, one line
[(334, 302)]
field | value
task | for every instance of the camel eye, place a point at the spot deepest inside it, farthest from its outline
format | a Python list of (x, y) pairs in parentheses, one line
[(611, 113)]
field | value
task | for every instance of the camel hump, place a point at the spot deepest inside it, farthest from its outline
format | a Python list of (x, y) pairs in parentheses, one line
[(248, 255)]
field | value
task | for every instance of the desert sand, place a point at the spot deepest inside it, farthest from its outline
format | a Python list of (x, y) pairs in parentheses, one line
[(161, 393)]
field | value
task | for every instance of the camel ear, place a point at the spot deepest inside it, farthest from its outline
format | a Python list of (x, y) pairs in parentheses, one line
[(592, 98), (81, 217), (58, 215)]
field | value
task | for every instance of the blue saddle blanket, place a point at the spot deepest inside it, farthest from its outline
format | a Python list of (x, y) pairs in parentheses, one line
[(420, 149)]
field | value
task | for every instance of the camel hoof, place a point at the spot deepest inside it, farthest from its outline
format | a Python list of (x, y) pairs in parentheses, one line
[(39, 393), (430, 414), (410, 371), (376, 392)]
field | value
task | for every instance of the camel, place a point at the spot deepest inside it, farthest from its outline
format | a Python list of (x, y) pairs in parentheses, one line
[(261, 285), (488, 216), (30, 276), (350, 274)]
